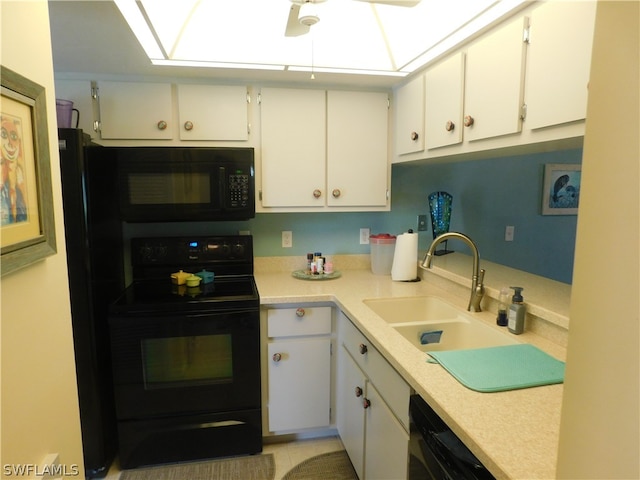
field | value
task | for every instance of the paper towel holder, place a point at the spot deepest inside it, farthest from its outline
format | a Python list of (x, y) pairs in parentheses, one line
[(440, 210)]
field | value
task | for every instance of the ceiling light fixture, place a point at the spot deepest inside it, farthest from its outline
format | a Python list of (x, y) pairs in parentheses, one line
[(308, 14)]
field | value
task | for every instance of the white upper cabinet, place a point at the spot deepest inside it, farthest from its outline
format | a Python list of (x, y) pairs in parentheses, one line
[(494, 84), (130, 110), (357, 157), (559, 61), (324, 150), (444, 99), (293, 124), (409, 124), (213, 112)]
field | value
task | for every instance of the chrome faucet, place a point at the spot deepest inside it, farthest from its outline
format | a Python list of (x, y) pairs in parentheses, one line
[(477, 276)]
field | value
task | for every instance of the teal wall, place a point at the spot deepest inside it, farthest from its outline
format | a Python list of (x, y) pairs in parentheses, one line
[(487, 196)]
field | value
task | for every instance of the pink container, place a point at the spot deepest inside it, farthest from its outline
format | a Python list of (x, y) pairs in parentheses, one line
[(382, 249)]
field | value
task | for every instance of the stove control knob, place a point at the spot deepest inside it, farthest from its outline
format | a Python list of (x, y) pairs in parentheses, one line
[(146, 251), (238, 249)]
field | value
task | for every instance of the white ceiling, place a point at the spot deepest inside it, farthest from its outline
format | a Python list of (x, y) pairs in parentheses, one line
[(92, 38)]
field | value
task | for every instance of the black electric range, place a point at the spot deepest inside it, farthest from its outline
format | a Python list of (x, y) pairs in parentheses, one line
[(186, 360)]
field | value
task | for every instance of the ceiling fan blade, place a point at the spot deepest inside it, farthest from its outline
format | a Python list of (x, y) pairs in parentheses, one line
[(397, 3), (294, 27)]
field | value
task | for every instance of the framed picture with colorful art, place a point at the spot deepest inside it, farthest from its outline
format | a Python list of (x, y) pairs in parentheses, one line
[(561, 189), (27, 227)]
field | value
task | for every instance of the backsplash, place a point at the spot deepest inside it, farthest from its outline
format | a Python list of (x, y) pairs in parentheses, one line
[(487, 196)]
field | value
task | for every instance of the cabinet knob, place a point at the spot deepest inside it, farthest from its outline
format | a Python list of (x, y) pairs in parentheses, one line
[(277, 357), (317, 193), (450, 126), (188, 125), (414, 136), (468, 120), (162, 125), (336, 193), (366, 403), (300, 312), (358, 392), (363, 348)]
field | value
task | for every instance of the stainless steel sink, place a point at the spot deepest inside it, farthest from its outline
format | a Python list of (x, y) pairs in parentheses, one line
[(431, 324)]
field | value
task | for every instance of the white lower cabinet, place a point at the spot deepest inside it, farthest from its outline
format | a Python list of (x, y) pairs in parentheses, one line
[(299, 368), (372, 408)]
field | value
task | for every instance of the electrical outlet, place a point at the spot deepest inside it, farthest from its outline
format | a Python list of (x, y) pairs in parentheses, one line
[(364, 236), (287, 239), (422, 223), (509, 233)]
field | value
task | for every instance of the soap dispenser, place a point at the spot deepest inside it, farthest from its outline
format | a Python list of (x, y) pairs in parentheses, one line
[(516, 312)]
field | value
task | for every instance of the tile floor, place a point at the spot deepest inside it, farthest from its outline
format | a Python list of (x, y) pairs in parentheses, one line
[(287, 455)]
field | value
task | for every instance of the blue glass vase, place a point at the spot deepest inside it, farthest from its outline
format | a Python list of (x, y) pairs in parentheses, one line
[(440, 209)]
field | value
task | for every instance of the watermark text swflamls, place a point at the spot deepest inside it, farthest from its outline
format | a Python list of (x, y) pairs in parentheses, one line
[(31, 470)]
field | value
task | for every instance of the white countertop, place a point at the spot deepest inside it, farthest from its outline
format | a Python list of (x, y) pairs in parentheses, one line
[(515, 433)]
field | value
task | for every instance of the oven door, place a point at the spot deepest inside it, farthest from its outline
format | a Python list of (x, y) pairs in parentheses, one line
[(185, 363)]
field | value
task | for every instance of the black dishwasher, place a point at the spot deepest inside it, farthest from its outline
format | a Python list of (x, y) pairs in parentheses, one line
[(438, 449)]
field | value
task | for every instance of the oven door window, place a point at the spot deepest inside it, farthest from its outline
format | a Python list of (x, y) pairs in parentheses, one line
[(174, 362)]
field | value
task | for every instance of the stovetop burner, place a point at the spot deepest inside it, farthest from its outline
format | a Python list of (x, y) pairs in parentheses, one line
[(162, 295), (153, 260)]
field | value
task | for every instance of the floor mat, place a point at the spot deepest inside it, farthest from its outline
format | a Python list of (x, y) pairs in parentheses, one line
[(253, 467), (333, 465)]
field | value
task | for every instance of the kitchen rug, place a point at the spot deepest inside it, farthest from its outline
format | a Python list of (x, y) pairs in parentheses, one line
[(332, 465), (251, 467), (496, 369)]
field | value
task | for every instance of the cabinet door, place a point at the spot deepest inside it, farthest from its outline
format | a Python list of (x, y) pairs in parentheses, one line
[(494, 82), (351, 412), (357, 159), (409, 114), (138, 111), (213, 112), (444, 94), (386, 441), (558, 64), (299, 384), (293, 124)]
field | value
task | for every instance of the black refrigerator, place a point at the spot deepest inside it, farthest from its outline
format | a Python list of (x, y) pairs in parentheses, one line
[(93, 233)]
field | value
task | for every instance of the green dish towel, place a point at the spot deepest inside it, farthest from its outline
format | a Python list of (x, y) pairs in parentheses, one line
[(496, 369)]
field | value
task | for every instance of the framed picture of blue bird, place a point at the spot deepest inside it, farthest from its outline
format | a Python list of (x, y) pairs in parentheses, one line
[(561, 189)]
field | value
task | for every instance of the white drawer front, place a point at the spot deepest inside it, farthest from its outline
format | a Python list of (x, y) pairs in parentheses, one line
[(294, 322), (392, 387)]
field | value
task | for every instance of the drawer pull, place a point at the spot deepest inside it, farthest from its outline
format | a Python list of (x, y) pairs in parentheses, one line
[(358, 392), (277, 357), (300, 312), (366, 403), (468, 121), (363, 349), (162, 125), (414, 136)]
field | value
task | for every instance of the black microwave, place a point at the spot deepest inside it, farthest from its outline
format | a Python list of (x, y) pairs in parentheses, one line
[(181, 184)]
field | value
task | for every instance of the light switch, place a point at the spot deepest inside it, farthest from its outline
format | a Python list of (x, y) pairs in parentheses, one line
[(509, 232)]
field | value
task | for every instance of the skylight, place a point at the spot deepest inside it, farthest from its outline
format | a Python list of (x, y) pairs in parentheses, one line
[(351, 36)]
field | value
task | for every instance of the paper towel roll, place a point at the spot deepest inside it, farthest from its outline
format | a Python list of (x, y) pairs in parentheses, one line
[(405, 257)]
